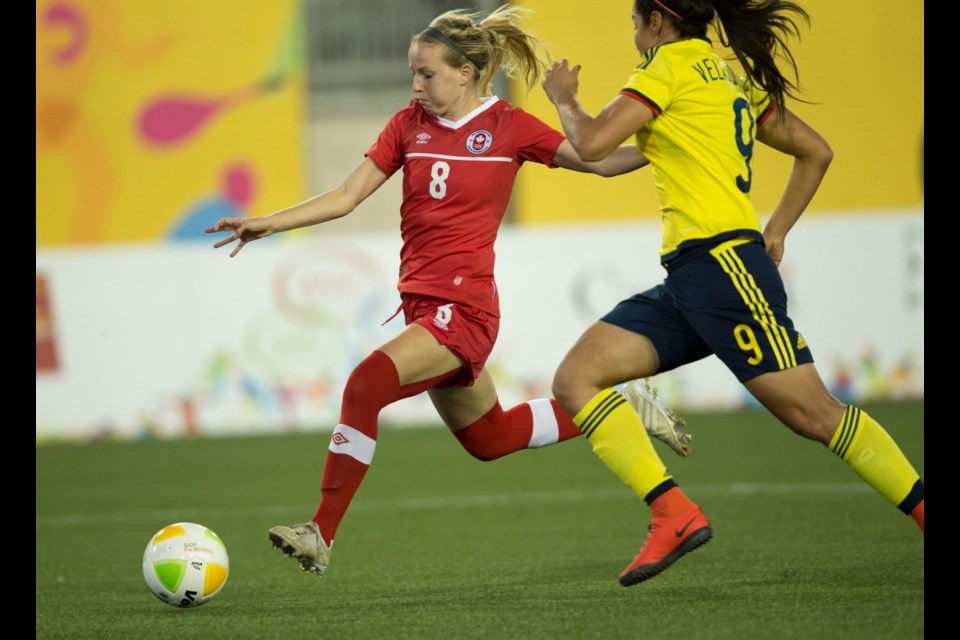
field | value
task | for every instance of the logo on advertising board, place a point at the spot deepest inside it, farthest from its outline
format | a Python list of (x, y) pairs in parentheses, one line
[(47, 360)]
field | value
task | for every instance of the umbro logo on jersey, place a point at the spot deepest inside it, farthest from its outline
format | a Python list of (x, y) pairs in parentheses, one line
[(479, 141), (422, 138), (338, 438)]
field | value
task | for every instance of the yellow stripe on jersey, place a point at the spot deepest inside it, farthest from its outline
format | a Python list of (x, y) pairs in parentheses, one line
[(743, 281)]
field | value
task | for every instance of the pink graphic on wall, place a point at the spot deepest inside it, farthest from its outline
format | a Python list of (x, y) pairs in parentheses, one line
[(74, 24), (237, 183), (175, 118)]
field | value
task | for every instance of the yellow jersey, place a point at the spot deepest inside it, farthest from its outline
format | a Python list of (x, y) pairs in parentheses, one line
[(699, 143)]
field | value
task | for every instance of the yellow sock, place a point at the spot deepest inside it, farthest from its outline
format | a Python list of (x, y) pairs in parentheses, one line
[(619, 439), (876, 458)]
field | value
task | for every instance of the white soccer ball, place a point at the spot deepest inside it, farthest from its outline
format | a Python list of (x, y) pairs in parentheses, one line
[(185, 564)]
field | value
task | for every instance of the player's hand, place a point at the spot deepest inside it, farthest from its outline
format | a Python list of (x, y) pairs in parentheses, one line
[(243, 229), (774, 248), (561, 82)]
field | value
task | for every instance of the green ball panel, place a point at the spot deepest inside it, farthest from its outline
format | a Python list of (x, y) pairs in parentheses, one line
[(170, 573)]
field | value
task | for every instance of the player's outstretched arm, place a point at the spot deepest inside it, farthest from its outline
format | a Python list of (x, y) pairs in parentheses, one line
[(624, 159), (593, 138), (329, 205)]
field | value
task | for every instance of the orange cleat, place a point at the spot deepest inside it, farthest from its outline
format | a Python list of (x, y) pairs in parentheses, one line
[(667, 540), (917, 515)]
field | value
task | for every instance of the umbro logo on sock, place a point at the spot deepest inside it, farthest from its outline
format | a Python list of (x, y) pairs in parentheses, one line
[(339, 438)]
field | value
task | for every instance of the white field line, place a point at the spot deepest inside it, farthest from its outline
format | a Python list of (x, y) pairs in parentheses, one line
[(453, 502)]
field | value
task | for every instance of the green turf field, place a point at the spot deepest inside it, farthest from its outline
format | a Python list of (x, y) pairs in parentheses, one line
[(439, 545)]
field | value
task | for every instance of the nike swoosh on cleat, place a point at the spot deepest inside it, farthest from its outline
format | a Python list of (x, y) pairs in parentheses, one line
[(679, 532)]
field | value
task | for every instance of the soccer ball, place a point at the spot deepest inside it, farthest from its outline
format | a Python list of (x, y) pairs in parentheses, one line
[(185, 564)]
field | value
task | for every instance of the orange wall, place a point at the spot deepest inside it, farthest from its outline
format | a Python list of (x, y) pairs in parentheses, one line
[(116, 165), (861, 65)]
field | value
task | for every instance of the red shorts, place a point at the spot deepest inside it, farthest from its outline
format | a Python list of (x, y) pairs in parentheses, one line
[(466, 331)]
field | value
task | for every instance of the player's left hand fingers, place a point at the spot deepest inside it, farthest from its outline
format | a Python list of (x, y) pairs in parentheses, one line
[(226, 241), (237, 249), (224, 224)]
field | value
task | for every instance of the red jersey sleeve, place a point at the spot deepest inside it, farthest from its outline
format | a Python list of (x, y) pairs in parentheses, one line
[(536, 141), (387, 151)]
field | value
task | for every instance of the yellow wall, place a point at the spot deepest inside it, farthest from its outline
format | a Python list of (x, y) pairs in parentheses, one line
[(861, 64), (102, 65)]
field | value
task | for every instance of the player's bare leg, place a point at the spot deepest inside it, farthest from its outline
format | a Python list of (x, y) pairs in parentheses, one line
[(800, 400)]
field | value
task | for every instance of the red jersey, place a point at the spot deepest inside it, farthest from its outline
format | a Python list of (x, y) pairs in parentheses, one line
[(457, 181)]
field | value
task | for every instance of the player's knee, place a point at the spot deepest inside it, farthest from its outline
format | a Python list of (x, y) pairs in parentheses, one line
[(489, 437), (363, 386), (563, 392), (480, 444), (356, 386), (817, 423), (482, 453)]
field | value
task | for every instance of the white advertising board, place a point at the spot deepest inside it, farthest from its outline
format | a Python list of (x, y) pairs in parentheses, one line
[(170, 340)]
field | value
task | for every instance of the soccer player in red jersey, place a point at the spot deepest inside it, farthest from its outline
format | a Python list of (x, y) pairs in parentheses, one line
[(460, 149)]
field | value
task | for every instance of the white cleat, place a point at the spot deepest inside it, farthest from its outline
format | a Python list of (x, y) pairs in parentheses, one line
[(660, 421), (303, 542)]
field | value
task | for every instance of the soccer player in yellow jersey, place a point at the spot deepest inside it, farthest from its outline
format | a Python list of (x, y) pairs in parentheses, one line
[(697, 120)]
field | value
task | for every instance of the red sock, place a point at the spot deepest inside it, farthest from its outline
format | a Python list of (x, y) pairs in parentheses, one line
[(917, 515), (671, 504), (372, 385), (528, 425)]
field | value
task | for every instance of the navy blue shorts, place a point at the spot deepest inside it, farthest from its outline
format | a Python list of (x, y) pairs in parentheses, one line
[(727, 300)]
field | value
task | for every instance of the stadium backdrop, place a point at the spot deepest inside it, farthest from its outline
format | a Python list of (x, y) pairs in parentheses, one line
[(155, 118)]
